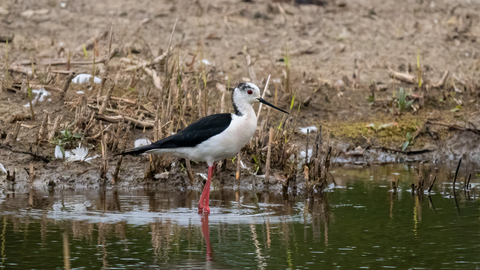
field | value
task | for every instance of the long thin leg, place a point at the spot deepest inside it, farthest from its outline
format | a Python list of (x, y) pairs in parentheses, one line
[(203, 204), (206, 235)]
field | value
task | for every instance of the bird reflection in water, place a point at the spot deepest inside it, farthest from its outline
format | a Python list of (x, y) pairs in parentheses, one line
[(206, 235)]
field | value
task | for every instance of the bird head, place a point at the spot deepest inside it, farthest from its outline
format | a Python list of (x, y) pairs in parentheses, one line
[(250, 93), (246, 93)]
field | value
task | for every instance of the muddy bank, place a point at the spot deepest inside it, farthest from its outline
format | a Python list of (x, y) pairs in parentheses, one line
[(388, 82), (59, 174)]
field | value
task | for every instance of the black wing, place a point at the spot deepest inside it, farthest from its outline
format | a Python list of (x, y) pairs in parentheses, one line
[(191, 136)]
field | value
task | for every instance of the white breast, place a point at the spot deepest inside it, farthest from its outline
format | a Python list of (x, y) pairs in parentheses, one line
[(228, 143), (221, 146)]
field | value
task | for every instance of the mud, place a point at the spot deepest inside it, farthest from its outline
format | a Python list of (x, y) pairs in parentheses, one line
[(339, 55)]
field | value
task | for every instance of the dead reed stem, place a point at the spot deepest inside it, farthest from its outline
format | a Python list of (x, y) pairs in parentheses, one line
[(168, 47), (51, 135), (456, 173), (306, 149), (32, 173), (66, 251), (250, 67), (454, 181), (269, 155), (190, 174), (431, 185), (222, 104), (12, 136), (402, 76), (263, 96), (104, 165), (66, 85), (106, 100), (442, 80), (120, 118), (468, 182), (91, 41), (30, 99), (122, 147), (43, 129)]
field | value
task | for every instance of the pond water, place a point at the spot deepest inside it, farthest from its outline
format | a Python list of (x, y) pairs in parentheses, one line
[(360, 224)]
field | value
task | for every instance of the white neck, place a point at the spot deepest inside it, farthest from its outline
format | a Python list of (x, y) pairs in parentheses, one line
[(243, 108)]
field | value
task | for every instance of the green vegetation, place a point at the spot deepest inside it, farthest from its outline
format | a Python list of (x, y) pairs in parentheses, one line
[(66, 138), (408, 142), (402, 100)]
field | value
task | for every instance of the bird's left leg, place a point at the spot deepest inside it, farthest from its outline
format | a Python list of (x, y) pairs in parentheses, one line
[(203, 204)]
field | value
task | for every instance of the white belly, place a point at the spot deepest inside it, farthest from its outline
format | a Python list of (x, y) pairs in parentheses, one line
[(221, 146)]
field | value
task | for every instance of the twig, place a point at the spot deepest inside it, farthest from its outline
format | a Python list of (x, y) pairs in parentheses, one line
[(402, 76), (119, 118), (263, 96), (431, 202), (333, 179), (109, 44), (269, 155), (306, 149), (6, 147), (32, 173), (29, 93), (129, 101), (413, 152), (431, 185), (455, 127), (250, 67), (189, 170), (456, 173), (168, 47), (90, 42), (60, 61), (105, 100), (468, 181), (51, 135), (68, 80), (12, 137), (442, 81), (104, 165), (115, 178), (43, 129)]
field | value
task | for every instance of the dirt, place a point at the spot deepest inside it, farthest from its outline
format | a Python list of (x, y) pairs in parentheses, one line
[(355, 42)]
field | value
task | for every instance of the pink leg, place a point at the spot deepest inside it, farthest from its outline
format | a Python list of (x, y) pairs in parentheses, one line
[(203, 204), (206, 235)]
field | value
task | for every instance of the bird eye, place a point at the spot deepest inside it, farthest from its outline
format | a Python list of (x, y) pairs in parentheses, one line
[(250, 92)]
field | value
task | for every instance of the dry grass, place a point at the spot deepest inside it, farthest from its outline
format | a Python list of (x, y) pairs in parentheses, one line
[(154, 80)]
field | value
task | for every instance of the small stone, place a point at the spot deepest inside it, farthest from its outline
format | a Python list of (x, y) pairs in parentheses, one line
[(3, 11), (340, 85), (163, 175), (27, 13)]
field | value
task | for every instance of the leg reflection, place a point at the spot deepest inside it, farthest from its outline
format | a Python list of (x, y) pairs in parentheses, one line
[(206, 235)]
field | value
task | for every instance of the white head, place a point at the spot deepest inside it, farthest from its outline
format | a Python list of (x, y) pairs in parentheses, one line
[(245, 94)]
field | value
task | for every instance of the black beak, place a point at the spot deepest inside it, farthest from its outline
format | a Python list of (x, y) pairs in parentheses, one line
[(271, 105)]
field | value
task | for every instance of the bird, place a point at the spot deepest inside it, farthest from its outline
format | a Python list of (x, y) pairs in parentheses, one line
[(214, 137)]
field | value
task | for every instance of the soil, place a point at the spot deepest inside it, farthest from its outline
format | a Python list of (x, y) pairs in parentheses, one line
[(336, 55)]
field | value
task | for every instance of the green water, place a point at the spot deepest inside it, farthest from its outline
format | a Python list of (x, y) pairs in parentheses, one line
[(361, 224)]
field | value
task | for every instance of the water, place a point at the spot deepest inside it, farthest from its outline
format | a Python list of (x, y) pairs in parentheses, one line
[(361, 224)]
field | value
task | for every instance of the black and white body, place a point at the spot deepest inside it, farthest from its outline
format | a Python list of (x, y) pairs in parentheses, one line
[(214, 137)]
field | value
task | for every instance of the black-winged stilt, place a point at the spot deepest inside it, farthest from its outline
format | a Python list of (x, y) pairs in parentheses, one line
[(214, 137)]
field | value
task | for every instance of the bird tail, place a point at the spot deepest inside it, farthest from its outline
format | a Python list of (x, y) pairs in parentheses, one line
[(137, 150)]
